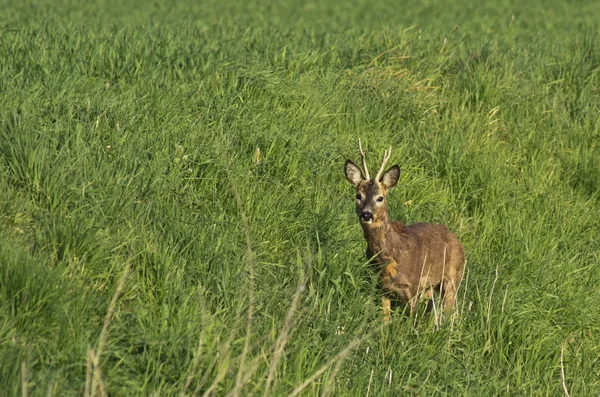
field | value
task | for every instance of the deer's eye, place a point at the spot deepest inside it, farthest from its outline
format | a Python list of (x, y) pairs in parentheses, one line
[(358, 196), (380, 199)]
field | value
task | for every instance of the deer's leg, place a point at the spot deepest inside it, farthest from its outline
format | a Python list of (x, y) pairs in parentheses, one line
[(428, 293), (406, 294), (449, 293), (386, 303), (387, 279), (412, 304)]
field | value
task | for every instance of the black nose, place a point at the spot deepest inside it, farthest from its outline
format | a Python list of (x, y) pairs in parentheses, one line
[(366, 216)]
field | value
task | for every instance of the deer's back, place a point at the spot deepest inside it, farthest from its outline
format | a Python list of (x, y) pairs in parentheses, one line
[(425, 251)]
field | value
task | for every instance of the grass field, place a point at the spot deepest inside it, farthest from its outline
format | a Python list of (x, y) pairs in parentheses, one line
[(128, 153)]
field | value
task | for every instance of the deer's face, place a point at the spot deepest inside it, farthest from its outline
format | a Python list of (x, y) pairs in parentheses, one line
[(371, 203)]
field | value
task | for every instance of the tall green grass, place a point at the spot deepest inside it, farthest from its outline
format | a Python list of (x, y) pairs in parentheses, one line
[(129, 136)]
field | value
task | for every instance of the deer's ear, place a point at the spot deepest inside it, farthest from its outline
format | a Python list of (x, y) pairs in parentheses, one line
[(353, 173), (391, 176)]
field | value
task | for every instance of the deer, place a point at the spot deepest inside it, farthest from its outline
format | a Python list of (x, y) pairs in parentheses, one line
[(417, 259)]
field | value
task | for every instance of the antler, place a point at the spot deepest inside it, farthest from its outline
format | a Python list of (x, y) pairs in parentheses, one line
[(364, 160), (386, 157)]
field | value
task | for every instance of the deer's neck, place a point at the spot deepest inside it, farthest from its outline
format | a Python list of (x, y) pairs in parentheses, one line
[(375, 234)]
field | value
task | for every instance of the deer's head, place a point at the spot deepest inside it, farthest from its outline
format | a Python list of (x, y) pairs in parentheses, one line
[(371, 204)]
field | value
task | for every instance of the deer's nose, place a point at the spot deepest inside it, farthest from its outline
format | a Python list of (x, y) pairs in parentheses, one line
[(366, 216)]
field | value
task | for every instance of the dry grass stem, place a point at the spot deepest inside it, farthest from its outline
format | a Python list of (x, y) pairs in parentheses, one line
[(562, 370), (188, 381), (221, 354), (462, 309), (23, 378), (489, 313), (370, 382), (341, 356), (96, 381), (331, 379), (249, 372), (97, 376), (504, 300), (420, 278), (283, 336), (250, 259), (88, 374), (223, 369)]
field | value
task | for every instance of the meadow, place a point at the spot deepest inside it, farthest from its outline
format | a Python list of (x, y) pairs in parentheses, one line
[(174, 218)]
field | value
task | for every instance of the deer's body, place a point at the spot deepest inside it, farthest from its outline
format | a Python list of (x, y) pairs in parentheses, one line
[(416, 258), (422, 257)]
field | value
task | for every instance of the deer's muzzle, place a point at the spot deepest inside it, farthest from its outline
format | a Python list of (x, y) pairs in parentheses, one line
[(366, 216)]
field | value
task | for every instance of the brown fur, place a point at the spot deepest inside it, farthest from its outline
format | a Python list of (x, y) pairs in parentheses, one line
[(418, 258)]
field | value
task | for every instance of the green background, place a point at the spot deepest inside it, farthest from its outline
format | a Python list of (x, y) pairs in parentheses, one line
[(128, 128)]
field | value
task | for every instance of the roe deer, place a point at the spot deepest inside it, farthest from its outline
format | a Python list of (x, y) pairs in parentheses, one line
[(414, 258)]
